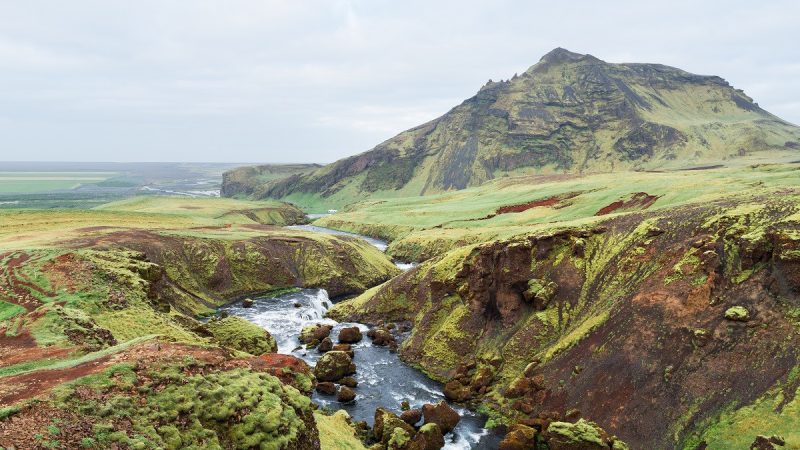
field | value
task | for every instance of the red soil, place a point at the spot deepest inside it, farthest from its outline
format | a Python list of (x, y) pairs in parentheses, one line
[(526, 206), (638, 201)]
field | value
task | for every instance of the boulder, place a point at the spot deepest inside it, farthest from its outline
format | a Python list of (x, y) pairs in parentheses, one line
[(441, 414), (345, 394), (326, 388), (411, 416), (333, 366), (385, 424), (350, 335), (519, 437), (247, 303), (325, 346), (455, 391), (429, 437), (314, 334), (381, 337), (581, 435), (349, 382), (347, 348)]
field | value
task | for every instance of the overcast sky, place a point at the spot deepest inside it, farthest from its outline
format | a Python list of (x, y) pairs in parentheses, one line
[(312, 81)]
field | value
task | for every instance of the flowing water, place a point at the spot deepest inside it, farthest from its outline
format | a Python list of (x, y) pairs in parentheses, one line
[(383, 379)]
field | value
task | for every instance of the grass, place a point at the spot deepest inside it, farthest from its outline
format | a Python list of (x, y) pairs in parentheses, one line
[(9, 310), (30, 228), (50, 364), (469, 216), (335, 433), (29, 182)]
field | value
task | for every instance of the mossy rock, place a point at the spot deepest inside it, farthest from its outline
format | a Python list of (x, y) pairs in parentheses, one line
[(333, 366), (737, 314), (239, 334)]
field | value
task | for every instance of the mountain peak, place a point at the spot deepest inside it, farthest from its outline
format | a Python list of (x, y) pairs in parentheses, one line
[(560, 54)]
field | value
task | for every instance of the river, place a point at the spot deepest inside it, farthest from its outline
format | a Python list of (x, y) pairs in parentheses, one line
[(383, 379)]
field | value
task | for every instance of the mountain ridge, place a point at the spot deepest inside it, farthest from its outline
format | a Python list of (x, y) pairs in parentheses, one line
[(568, 113)]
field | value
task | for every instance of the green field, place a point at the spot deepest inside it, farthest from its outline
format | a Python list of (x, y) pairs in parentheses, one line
[(30, 182), (445, 220)]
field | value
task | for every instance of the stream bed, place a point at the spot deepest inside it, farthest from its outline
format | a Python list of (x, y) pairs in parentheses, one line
[(383, 379)]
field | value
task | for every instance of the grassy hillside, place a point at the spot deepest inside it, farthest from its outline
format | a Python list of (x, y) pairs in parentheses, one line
[(421, 227), (101, 342), (569, 113)]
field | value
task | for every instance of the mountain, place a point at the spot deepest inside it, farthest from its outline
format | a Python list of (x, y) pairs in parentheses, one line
[(569, 113)]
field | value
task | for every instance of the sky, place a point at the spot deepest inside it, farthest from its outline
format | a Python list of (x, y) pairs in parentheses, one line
[(314, 81)]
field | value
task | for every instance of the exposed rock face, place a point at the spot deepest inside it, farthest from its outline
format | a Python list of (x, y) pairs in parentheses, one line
[(333, 366), (641, 308), (568, 113)]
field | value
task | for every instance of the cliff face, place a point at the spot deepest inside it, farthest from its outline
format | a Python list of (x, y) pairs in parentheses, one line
[(668, 329), (569, 113)]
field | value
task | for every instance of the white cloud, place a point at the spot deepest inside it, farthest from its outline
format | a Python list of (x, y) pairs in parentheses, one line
[(283, 80)]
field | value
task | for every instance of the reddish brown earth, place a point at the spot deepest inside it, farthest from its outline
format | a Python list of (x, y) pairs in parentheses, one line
[(550, 201), (638, 201)]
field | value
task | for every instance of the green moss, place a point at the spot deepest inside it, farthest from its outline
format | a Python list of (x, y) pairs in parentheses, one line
[(737, 313), (240, 334), (336, 432), (580, 432), (8, 411), (233, 409)]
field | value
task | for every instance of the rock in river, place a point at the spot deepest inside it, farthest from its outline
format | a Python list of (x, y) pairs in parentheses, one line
[(350, 335), (441, 414), (333, 366)]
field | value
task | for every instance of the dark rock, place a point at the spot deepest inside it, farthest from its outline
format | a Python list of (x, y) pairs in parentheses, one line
[(347, 348), (326, 388), (247, 303), (312, 333), (404, 406), (411, 416), (382, 337), (334, 366), (349, 382), (345, 394), (325, 346), (441, 414), (767, 443), (350, 335)]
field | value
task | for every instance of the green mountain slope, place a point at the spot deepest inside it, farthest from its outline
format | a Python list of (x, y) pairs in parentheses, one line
[(569, 113)]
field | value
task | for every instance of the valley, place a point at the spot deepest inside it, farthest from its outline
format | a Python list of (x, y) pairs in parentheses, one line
[(586, 256)]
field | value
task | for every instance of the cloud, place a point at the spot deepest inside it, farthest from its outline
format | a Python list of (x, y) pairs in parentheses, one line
[(281, 80)]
